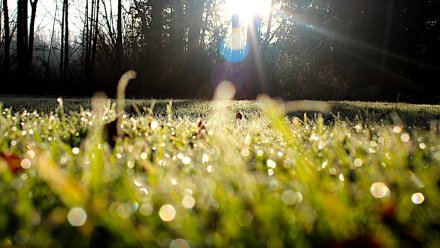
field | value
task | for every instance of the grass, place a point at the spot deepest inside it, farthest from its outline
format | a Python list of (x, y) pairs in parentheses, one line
[(191, 174), (402, 113)]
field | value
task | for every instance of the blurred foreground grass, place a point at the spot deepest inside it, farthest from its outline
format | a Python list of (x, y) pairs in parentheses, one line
[(192, 174)]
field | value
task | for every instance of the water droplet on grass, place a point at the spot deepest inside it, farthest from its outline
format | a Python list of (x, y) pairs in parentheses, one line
[(405, 137), (188, 202), (358, 162), (167, 213), (205, 158), (77, 217), (418, 198), (75, 150), (179, 243), (290, 198), (379, 190), (154, 125), (25, 164), (186, 160), (144, 156), (271, 164)]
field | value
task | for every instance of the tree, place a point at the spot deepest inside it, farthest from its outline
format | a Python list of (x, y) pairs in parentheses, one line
[(157, 22), (6, 46), (196, 8), (32, 31), (22, 41), (119, 49)]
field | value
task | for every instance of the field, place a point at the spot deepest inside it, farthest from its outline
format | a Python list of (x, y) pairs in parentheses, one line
[(218, 174)]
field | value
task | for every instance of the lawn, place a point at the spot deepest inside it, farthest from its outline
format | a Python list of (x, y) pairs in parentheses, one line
[(218, 174)]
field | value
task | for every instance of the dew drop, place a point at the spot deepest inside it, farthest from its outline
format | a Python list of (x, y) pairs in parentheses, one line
[(186, 160), (154, 125), (77, 217), (167, 213), (188, 202), (324, 164), (179, 243), (270, 172), (341, 177), (289, 197), (358, 162), (271, 164), (205, 158), (144, 156), (405, 137), (25, 164), (75, 150), (418, 198), (379, 190)]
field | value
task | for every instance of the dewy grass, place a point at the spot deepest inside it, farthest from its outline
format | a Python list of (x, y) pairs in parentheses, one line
[(174, 181)]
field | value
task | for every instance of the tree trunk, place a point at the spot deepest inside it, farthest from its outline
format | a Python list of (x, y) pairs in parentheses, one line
[(51, 40), (66, 38), (7, 40), (22, 47), (119, 51), (195, 25), (95, 36), (157, 24), (32, 31), (62, 42), (89, 34), (208, 14), (179, 28), (85, 32)]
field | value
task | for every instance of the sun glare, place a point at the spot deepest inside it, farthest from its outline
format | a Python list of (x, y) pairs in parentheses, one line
[(246, 9)]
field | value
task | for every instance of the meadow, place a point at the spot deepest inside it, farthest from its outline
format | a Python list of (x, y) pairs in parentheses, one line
[(185, 173)]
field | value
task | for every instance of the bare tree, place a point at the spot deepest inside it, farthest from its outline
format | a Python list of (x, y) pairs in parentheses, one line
[(64, 51), (32, 31), (52, 39), (119, 51), (22, 40), (95, 34), (66, 37), (6, 46)]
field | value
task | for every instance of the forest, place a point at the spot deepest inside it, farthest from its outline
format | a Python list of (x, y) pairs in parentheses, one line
[(303, 49)]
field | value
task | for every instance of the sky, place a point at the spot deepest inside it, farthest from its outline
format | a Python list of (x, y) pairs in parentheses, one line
[(46, 11)]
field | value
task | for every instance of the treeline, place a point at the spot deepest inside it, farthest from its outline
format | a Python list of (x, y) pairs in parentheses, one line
[(307, 49)]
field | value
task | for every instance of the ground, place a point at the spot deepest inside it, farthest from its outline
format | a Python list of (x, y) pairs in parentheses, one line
[(186, 173)]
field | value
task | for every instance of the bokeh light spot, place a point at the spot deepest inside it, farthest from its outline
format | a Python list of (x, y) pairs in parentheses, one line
[(25, 164), (167, 213), (77, 216), (379, 190), (75, 150), (418, 198), (179, 243), (188, 202)]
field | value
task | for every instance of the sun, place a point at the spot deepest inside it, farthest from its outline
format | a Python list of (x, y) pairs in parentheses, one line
[(246, 9)]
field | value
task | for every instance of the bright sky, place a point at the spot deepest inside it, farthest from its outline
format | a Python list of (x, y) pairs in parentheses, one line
[(46, 11), (248, 8)]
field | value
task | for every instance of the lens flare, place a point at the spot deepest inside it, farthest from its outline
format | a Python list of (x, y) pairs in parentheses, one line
[(246, 9)]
